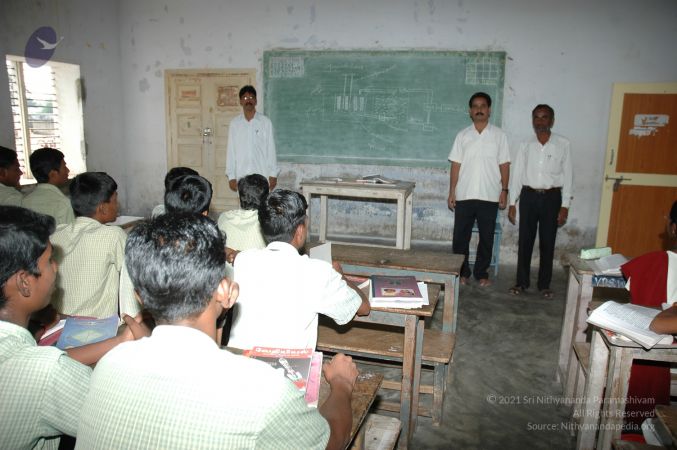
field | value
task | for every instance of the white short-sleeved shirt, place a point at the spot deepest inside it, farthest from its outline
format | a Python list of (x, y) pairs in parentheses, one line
[(251, 147), (281, 294), (479, 155), (543, 167)]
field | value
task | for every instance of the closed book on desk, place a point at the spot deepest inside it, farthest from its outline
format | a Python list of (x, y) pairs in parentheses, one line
[(390, 288), (630, 321), (80, 331), (293, 363)]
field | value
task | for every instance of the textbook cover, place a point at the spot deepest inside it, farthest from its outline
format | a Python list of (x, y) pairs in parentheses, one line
[(79, 331), (293, 363), (314, 379), (402, 288)]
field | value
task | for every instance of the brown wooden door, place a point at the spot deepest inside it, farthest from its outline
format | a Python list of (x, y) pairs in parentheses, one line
[(200, 106), (640, 175)]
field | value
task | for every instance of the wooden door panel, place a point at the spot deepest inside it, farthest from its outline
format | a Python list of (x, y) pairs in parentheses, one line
[(200, 105), (640, 170), (648, 137), (637, 222)]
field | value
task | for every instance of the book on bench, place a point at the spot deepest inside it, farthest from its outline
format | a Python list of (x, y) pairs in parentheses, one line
[(630, 321)]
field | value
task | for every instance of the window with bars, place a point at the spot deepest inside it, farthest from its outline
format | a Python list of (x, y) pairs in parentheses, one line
[(47, 111)]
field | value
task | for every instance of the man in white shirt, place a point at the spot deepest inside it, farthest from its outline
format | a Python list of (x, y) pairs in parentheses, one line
[(251, 145), (478, 185), (281, 291), (542, 182)]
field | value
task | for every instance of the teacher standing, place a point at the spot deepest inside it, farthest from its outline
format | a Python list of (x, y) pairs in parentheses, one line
[(251, 145)]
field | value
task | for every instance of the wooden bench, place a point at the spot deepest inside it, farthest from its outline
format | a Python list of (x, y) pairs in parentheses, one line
[(377, 433), (383, 342)]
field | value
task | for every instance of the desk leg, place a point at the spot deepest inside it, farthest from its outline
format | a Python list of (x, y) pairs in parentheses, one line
[(449, 306), (568, 324), (399, 240), (594, 388), (408, 410), (618, 378), (420, 324), (584, 299), (408, 212), (323, 218)]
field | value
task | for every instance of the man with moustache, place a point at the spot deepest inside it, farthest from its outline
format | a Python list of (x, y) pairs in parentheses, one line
[(251, 146), (478, 185), (541, 182)]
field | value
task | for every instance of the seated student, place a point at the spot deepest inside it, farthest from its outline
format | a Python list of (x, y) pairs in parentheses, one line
[(91, 254), (652, 280), (42, 388), (188, 194), (10, 174), (282, 292), (242, 225), (177, 389), (172, 174), (49, 169)]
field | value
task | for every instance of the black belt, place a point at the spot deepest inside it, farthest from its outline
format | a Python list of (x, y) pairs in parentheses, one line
[(542, 191)]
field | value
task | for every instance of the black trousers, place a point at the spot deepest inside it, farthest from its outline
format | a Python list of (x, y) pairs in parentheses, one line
[(538, 210), (467, 211)]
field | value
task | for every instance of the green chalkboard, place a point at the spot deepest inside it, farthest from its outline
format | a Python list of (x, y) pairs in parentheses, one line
[(400, 108)]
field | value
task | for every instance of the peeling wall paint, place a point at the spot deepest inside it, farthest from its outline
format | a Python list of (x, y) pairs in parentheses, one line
[(566, 54)]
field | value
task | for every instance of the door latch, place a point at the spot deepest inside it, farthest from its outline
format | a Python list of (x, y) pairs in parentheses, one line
[(617, 181)]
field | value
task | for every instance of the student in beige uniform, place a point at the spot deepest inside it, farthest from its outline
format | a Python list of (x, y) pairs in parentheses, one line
[(91, 254), (10, 174), (50, 170)]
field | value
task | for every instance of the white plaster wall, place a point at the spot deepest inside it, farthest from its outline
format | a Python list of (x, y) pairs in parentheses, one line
[(91, 39), (566, 54)]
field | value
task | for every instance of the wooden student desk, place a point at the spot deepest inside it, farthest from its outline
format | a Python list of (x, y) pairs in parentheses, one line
[(579, 295), (366, 387), (411, 349), (400, 191), (425, 265), (606, 386)]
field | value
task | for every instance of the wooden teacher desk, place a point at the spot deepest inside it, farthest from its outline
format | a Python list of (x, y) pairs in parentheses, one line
[(401, 191)]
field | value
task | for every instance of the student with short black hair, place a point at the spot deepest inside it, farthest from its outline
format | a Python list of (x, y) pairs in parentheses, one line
[(242, 225), (172, 174), (49, 169), (282, 310), (10, 174), (188, 194), (178, 389), (42, 388), (91, 254)]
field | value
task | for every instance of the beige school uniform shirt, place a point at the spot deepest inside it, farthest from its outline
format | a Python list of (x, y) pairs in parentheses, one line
[(91, 258), (48, 199)]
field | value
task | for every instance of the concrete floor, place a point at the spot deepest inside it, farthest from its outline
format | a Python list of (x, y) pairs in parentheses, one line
[(502, 392)]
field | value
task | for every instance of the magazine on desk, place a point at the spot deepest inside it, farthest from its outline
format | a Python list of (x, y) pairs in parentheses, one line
[(293, 363), (630, 321)]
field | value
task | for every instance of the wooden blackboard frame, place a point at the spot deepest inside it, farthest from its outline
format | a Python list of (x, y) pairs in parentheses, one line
[(399, 108)]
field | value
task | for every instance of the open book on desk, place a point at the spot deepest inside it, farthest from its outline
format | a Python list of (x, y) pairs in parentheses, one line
[(630, 321)]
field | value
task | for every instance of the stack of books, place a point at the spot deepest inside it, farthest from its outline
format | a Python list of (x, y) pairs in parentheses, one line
[(397, 292)]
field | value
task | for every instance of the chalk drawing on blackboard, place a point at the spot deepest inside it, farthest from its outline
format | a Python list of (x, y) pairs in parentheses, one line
[(483, 70), (378, 107), (286, 67)]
